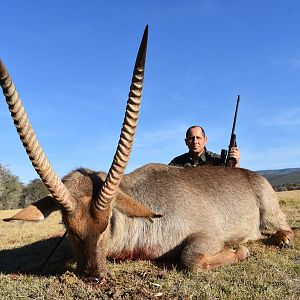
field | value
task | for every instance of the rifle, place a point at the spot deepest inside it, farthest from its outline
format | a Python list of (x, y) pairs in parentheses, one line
[(228, 161), (51, 253)]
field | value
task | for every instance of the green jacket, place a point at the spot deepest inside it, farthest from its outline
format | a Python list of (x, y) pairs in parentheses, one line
[(207, 158)]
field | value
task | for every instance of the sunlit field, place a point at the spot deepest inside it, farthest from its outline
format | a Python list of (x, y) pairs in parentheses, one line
[(270, 273)]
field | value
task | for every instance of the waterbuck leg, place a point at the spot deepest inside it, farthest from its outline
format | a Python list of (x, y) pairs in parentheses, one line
[(195, 254), (223, 258)]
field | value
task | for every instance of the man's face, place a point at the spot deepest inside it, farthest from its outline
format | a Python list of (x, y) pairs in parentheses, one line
[(196, 141)]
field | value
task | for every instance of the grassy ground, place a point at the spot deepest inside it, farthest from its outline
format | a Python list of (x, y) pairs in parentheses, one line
[(269, 273)]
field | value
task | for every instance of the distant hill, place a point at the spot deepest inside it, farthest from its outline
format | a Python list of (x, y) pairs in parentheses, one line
[(282, 176)]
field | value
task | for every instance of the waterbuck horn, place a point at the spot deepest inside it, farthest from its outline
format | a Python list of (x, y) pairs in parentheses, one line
[(122, 154), (31, 144)]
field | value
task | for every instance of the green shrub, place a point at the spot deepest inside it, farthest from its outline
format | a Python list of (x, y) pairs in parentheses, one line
[(33, 191), (11, 189)]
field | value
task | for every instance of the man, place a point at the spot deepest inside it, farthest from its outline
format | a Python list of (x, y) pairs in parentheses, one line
[(198, 155)]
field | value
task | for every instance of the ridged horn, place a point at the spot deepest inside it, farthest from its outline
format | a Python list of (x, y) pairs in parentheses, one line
[(122, 154), (31, 144)]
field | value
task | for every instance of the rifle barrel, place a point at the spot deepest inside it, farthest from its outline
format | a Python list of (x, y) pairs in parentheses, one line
[(235, 115)]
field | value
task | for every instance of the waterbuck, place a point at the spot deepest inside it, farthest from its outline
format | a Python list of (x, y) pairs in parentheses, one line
[(189, 217)]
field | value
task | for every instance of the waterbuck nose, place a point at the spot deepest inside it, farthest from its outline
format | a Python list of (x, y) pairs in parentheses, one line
[(95, 280)]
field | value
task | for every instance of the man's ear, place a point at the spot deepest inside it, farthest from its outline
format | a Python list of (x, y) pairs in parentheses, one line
[(205, 139), (132, 208), (185, 140), (36, 211)]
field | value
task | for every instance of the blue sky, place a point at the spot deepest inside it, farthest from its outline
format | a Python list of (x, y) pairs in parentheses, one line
[(72, 62)]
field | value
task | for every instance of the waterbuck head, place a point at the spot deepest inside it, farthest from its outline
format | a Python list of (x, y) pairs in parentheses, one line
[(85, 197)]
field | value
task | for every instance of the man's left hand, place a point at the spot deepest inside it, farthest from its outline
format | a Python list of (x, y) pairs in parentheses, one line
[(235, 153)]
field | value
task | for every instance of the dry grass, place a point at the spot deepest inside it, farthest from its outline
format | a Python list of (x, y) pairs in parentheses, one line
[(290, 202), (269, 273)]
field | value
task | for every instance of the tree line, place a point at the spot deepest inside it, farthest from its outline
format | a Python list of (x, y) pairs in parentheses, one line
[(14, 194), (287, 187)]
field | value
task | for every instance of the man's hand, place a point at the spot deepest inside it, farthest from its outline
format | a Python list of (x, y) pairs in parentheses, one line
[(235, 153)]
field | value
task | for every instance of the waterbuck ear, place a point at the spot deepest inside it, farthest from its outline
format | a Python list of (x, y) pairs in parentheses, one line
[(36, 211), (132, 208)]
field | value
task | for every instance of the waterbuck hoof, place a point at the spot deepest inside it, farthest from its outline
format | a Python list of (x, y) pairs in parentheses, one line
[(287, 244), (242, 253), (283, 239)]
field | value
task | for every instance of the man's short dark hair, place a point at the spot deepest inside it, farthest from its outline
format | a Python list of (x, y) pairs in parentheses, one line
[(195, 126)]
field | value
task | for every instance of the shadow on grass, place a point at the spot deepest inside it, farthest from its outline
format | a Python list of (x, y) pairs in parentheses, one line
[(29, 259)]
